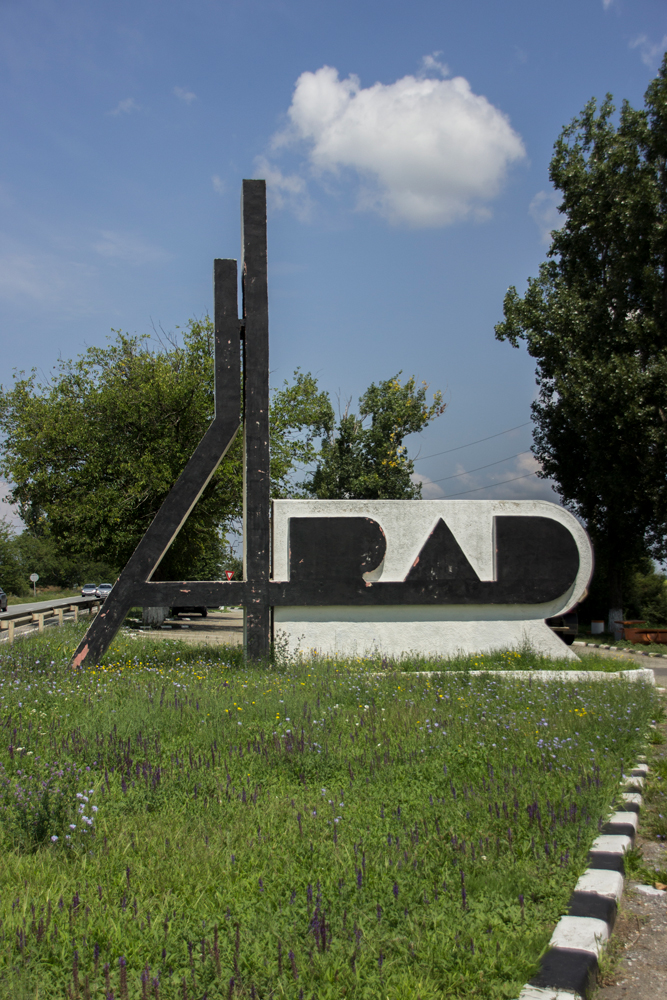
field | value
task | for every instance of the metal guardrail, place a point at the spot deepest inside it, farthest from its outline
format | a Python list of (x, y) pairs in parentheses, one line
[(46, 610)]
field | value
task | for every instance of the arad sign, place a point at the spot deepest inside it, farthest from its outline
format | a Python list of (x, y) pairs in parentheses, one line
[(428, 576), (434, 577)]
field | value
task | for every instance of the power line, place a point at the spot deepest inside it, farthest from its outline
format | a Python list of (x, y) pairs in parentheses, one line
[(490, 485), (479, 468), (449, 450)]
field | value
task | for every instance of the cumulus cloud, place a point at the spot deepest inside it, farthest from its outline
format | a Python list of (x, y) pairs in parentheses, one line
[(650, 54), (544, 212), (427, 152), (515, 481), (285, 190), (129, 248), (185, 95), (125, 107), (219, 185), (431, 64)]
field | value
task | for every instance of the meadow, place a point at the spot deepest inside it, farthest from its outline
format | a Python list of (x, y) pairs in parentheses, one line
[(175, 823)]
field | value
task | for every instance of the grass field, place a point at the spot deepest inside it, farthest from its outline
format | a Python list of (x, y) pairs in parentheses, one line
[(176, 824)]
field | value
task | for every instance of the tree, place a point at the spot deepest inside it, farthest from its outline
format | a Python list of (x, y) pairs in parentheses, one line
[(370, 463), (595, 320), (92, 453), (12, 580)]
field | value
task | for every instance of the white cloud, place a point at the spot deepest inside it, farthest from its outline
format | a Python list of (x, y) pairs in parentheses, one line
[(427, 152), (431, 64), (515, 481), (285, 190), (650, 54), (544, 211), (129, 248), (125, 107), (185, 95), (8, 512), (219, 185), (607, 4)]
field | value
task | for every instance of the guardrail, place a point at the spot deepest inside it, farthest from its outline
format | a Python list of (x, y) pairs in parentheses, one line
[(44, 611)]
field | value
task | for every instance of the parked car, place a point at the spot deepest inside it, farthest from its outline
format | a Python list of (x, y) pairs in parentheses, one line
[(566, 626), (3, 600), (89, 590), (104, 590), (183, 609)]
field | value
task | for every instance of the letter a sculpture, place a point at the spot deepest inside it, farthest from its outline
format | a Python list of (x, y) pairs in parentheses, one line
[(346, 577)]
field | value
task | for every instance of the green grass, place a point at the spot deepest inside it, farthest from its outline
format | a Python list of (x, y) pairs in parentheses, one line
[(320, 829), (49, 594)]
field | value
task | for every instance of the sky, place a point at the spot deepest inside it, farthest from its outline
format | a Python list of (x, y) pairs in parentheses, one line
[(406, 151)]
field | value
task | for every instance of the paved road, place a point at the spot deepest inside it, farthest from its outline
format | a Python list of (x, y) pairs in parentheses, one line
[(37, 606), (658, 666)]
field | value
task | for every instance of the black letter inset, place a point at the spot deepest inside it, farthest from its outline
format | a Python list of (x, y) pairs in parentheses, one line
[(441, 559), (334, 548)]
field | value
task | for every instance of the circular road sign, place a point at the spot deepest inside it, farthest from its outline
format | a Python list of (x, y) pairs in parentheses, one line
[(34, 577)]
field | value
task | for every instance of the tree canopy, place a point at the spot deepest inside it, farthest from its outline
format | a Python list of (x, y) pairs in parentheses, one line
[(92, 451), (595, 320), (370, 462)]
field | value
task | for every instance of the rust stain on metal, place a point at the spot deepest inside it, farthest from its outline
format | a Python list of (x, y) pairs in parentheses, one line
[(78, 660)]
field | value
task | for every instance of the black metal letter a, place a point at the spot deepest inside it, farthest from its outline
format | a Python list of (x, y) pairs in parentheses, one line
[(134, 585)]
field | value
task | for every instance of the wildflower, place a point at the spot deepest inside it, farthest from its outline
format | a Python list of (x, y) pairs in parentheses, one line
[(54, 838)]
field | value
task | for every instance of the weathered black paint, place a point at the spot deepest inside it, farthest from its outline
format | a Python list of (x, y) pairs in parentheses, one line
[(537, 561), (256, 472), (440, 559), (591, 904), (567, 969), (334, 548), (189, 485)]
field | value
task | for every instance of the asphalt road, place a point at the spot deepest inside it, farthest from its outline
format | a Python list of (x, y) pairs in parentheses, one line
[(657, 665)]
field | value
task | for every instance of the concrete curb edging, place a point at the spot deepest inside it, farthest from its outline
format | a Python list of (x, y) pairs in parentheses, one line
[(620, 649), (568, 968)]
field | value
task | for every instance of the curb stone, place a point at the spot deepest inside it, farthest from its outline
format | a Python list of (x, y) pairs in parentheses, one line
[(633, 652), (569, 967)]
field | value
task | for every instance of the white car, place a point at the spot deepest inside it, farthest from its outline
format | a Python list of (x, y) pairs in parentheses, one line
[(104, 590)]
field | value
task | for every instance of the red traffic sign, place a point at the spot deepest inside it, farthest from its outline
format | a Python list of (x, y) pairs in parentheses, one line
[(229, 573)]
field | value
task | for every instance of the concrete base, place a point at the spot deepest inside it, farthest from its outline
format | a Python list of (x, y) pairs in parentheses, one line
[(154, 616), (401, 630)]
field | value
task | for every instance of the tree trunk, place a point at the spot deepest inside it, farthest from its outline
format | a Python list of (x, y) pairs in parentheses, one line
[(615, 602)]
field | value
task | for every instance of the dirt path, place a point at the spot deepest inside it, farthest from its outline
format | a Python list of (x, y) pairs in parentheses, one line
[(218, 628), (636, 963)]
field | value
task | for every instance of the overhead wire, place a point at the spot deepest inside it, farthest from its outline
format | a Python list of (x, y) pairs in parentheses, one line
[(479, 468), (422, 458), (489, 485)]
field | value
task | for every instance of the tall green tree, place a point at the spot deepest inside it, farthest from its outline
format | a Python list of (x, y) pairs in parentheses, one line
[(369, 462), (92, 453), (595, 320)]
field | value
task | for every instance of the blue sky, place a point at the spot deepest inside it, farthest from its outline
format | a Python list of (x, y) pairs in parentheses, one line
[(406, 148)]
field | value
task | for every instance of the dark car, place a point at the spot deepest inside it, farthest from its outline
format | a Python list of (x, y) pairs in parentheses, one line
[(89, 590), (184, 609), (104, 590), (566, 626), (3, 600)]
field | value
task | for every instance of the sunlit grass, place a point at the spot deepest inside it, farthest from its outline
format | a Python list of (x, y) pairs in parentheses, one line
[(176, 823)]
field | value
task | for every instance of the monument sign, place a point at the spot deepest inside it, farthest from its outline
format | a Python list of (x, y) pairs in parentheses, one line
[(347, 576)]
